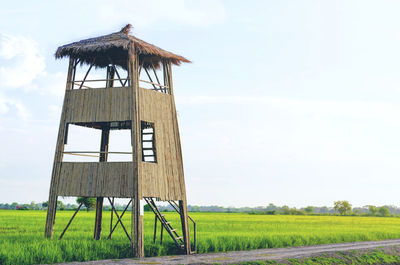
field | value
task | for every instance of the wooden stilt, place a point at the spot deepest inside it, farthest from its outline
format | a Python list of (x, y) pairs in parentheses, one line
[(137, 218), (138, 230), (155, 229), (162, 234), (111, 222), (99, 216), (105, 136), (51, 214), (185, 225), (52, 202)]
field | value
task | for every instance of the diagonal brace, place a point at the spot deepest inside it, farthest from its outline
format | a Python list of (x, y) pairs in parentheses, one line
[(70, 221), (119, 219), (115, 226)]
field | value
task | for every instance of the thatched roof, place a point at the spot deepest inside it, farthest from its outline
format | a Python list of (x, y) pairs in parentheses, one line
[(116, 47)]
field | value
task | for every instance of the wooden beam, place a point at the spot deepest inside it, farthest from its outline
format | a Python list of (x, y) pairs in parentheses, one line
[(90, 67), (70, 221), (110, 77), (96, 152), (153, 83), (111, 222), (105, 136), (185, 225), (115, 226), (137, 219), (52, 202), (100, 80), (119, 219), (155, 229), (182, 203), (73, 154)]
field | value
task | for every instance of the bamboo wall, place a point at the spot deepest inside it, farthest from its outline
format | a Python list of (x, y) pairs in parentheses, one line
[(99, 104), (96, 179), (163, 179)]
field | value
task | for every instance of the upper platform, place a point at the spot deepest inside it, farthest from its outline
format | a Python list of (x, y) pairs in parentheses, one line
[(116, 47)]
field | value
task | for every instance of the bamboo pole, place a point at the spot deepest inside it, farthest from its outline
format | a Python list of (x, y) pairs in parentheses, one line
[(105, 136), (70, 221), (137, 218), (182, 203), (58, 156)]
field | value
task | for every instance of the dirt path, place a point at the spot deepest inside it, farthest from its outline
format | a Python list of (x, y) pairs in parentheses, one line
[(251, 255)]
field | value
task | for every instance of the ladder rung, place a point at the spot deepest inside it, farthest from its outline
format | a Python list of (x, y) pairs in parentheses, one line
[(148, 133), (179, 237), (173, 230)]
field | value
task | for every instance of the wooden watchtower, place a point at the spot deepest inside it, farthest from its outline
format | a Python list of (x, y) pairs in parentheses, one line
[(124, 101)]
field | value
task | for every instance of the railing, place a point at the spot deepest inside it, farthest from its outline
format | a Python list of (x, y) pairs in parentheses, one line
[(176, 208), (86, 153), (81, 84)]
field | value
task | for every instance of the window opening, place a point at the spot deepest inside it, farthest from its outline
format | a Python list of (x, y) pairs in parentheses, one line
[(88, 77), (154, 77), (84, 142)]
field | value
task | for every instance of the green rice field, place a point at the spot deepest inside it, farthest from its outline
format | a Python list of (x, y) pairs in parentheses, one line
[(22, 234)]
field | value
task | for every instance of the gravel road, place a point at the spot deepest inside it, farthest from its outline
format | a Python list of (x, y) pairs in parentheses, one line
[(251, 255)]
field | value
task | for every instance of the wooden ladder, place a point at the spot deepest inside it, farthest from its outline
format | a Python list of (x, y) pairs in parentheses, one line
[(175, 206), (179, 242)]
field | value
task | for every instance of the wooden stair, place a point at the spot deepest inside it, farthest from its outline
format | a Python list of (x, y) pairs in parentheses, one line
[(179, 242)]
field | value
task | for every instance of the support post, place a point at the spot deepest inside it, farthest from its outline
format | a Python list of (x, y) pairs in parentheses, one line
[(52, 202), (161, 234), (183, 202), (185, 225), (138, 235), (99, 217), (155, 229), (105, 136), (137, 218), (111, 222)]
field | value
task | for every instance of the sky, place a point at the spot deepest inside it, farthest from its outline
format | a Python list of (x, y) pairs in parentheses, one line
[(291, 102)]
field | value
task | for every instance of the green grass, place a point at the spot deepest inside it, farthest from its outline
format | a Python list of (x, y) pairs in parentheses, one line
[(22, 234)]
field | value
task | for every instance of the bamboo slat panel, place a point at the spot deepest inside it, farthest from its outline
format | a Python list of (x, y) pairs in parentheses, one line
[(96, 179), (162, 179), (99, 104)]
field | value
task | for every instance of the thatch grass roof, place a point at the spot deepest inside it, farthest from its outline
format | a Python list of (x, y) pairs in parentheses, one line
[(116, 47)]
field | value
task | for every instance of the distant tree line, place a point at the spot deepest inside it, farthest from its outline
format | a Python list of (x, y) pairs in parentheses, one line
[(339, 208), (88, 204)]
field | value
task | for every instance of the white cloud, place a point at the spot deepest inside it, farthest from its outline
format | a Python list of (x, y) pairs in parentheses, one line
[(6, 104), (21, 61), (143, 13)]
